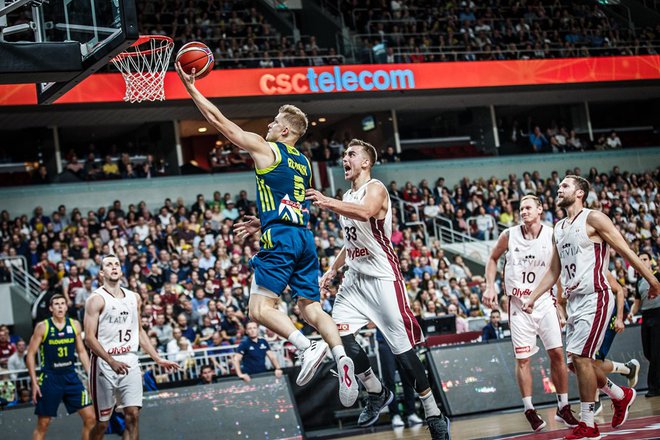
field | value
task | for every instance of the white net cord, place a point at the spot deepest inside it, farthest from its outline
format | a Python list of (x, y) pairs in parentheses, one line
[(143, 67)]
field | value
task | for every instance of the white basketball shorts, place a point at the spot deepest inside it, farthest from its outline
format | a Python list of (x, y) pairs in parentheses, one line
[(362, 299), (588, 318), (110, 390), (543, 321)]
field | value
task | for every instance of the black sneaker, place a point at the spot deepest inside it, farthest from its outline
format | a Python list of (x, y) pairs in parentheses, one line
[(633, 366), (374, 405), (438, 427)]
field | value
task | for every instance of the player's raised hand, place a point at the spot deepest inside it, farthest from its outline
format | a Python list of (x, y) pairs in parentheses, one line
[(317, 198), (527, 305), (168, 365), (250, 225), (188, 80), (489, 298)]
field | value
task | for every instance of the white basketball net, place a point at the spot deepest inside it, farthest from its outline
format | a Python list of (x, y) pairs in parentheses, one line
[(143, 66)]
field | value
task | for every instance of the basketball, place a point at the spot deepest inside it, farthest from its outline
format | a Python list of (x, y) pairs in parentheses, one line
[(195, 55)]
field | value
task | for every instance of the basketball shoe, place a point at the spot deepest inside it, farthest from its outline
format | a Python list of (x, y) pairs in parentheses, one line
[(565, 416), (375, 404), (310, 359), (633, 366), (582, 431), (621, 407), (438, 427), (348, 385), (535, 421)]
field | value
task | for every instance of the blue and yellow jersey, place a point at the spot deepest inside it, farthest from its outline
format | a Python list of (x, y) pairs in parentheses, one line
[(58, 347), (281, 188)]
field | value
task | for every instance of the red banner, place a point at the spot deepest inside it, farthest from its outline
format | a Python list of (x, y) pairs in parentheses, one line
[(109, 87)]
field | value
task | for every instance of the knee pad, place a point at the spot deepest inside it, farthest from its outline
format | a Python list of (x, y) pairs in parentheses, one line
[(356, 353), (412, 370)]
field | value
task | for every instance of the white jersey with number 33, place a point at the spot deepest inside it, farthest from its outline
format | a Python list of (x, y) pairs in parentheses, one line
[(118, 329), (368, 244)]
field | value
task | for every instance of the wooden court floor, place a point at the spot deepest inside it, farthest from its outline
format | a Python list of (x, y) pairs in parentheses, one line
[(643, 423)]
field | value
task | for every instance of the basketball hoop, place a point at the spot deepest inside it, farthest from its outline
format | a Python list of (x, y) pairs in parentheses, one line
[(143, 66)]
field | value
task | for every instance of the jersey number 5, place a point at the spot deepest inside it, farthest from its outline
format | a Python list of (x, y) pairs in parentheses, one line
[(299, 188)]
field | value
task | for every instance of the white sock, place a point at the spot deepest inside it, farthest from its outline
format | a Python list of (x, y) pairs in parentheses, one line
[(299, 340), (527, 401), (430, 407), (620, 368), (613, 390), (370, 382), (562, 400), (587, 413), (338, 352)]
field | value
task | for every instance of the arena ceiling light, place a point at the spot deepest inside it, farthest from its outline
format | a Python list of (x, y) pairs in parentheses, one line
[(202, 130)]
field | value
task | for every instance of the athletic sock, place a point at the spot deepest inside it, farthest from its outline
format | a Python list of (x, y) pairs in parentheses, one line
[(430, 407), (370, 382), (587, 413), (299, 340), (613, 390), (562, 400), (527, 401), (338, 352), (620, 368)]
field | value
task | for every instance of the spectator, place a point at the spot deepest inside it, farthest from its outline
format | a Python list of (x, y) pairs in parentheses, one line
[(493, 330), (6, 348), (17, 359), (613, 141), (251, 354), (207, 375)]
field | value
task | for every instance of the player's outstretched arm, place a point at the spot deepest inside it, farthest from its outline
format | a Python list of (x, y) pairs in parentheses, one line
[(602, 223), (548, 280), (370, 206), (489, 297), (619, 326), (145, 344), (33, 347), (250, 142), (93, 308)]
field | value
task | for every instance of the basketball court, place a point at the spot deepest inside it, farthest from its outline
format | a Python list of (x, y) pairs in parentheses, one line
[(643, 423)]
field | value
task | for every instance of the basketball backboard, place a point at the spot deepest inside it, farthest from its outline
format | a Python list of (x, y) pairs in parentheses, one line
[(102, 29)]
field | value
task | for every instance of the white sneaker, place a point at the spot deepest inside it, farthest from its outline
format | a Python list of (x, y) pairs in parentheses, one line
[(413, 419), (310, 359), (348, 385), (397, 421)]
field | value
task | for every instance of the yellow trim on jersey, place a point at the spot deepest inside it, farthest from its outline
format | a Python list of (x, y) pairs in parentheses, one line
[(43, 339), (292, 150), (265, 195), (75, 332), (266, 240), (278, 159)]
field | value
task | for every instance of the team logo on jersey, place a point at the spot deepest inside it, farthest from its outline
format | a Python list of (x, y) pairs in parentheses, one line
[(525, 349), (343, 327), (357, 253), (290, 210)]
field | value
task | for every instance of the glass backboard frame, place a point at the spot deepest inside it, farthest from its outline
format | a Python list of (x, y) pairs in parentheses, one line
[(99, 42)]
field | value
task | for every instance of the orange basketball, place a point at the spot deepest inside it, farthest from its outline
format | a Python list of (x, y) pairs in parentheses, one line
[(195, 55)]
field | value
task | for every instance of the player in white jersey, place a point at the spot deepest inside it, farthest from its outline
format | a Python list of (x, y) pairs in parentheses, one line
[(373, 288), (581, 256), (114, 334), (528, 250)]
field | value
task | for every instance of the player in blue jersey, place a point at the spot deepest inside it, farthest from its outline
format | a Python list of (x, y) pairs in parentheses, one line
[(57, 339), (287, 255)]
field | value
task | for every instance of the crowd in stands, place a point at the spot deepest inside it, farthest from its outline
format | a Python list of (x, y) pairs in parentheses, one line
[(401, 31), (193, 273), (236, 31)]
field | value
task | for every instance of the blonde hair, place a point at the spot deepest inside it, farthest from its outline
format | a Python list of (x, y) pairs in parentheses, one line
[(367, 147), (296, 118), (533, 198)]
